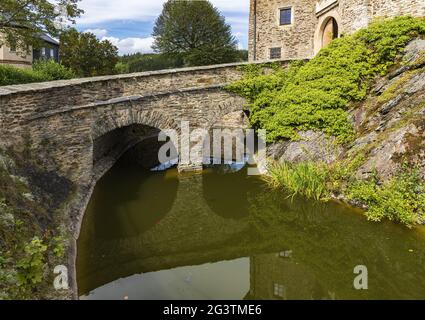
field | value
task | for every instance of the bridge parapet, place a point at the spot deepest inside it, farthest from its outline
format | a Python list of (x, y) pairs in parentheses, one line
[(21, 102)]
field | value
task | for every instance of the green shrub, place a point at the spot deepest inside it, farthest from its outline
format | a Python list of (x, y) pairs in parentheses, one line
[(305, 179), (11, 75), (44, 70), (50, 70), (400, 199), (58, 245), (316, 95), (30, 267)]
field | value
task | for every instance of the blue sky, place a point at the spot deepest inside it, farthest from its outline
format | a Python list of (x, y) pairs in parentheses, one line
[(128, 23)]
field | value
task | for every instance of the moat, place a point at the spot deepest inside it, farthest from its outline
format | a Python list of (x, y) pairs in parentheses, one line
[(225, 235)]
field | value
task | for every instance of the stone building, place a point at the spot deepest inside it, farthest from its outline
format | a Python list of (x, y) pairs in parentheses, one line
[(298, 29), (16, 57)]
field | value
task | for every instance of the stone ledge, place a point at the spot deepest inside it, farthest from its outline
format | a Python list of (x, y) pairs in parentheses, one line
[(130, 99), (41, 86)]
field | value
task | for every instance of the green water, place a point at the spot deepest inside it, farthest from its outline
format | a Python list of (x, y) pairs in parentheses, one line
[(225, 235)]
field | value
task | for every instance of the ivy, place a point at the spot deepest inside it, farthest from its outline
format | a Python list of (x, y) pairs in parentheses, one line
[(316, 95)]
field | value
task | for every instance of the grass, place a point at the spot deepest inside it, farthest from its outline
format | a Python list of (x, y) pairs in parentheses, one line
[(400, 199), (305, 179)]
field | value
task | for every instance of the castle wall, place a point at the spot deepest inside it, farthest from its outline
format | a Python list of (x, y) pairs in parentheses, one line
[(295, 40), (302, 39), (392, 8)]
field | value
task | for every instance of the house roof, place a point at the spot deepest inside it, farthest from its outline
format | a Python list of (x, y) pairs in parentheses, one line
[(49, 39)]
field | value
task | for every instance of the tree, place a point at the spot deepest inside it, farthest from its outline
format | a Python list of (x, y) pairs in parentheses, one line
[(22, 21), (86, 55), (140, 62), (195, 30)]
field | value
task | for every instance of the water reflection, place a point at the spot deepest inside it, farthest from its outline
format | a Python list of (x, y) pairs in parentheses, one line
[(151, 235)]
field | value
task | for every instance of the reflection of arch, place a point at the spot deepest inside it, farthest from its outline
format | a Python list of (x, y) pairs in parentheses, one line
[(115, 210), (328, 28), (227, 194)]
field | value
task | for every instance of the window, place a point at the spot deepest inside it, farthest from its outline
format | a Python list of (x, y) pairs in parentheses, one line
[(52, 53), (43, 52), (279, 290), (13, 47), (285, 16), (275, 53)]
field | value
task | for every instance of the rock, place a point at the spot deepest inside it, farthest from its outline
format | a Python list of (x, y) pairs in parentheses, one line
[(313, 146), (29, 196), (415, 84), (413, 58), (387, 157), (6, 217), (363, 141), (386, 108), (414, 51), (6, 163)]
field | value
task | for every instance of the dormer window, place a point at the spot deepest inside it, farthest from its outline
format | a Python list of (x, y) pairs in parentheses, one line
[(285, 17)]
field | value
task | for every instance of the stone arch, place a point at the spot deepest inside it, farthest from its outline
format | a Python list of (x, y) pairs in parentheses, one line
[(123, 118), (328, 22), (118, 131)]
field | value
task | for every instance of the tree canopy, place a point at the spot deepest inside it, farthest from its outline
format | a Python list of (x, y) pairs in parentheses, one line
[(22, 21), (196, 31), (86, 55)]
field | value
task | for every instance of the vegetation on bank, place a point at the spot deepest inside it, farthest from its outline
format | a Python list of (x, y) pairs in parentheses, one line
[(400, 199), (30, 243), (44, 70), (316, 95)]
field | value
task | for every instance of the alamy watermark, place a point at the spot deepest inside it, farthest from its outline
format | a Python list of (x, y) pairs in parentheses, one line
[(199, 147)]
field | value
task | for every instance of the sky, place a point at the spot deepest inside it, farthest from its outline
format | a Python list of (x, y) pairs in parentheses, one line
[(128, 24)]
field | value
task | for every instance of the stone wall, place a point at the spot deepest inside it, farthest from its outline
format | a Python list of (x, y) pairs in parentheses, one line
[(392, 8), (296, 40), (302, 39)]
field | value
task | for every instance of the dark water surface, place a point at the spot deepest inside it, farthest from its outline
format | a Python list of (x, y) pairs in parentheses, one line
[(225, 235)]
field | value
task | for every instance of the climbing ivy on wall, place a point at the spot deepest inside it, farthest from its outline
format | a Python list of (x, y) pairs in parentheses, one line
[(316, 95)]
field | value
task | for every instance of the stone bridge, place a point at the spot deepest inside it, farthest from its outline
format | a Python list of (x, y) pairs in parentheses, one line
[(70, 119), (78, 128)]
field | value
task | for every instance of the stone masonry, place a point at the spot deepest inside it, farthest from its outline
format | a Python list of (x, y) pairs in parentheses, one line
[(304, 35), (67, 117)]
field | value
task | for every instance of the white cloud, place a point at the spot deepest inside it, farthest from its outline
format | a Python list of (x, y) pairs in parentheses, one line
[(98, 11), (125, 45), (98, 32), (132, 45)]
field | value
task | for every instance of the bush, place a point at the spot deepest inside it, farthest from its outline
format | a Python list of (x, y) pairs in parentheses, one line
[(11, 75), (316, 95), (43, 70), (305, 179), (51, 70), (400, 199)]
